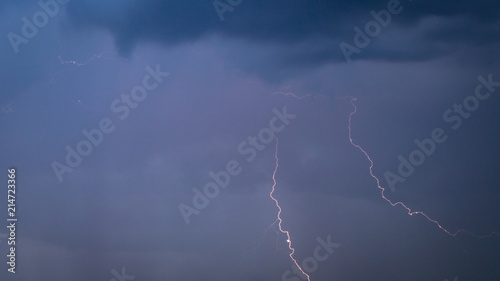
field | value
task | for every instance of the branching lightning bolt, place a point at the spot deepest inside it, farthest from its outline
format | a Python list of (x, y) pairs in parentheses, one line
[(410, 212), (278, 216)]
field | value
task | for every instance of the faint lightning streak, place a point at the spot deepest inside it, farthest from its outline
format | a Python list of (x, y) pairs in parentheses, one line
[(410, 212), (278, 216), (83, 63), (53, 74), (280, 92)]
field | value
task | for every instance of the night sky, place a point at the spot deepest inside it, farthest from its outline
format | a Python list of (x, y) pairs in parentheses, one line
[(144, 136)]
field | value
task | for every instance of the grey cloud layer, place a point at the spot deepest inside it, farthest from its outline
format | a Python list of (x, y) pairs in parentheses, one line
[(173, 22)]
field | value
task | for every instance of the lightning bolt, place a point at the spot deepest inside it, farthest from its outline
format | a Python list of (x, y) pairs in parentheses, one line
[(53, 74), (278, 216), (78, 64), (280, 92), (382, 190)]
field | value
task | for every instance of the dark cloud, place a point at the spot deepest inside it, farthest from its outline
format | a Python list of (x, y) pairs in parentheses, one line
[(290, 22)]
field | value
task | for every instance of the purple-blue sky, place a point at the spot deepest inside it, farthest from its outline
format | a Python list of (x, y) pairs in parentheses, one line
[(119, 207)]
